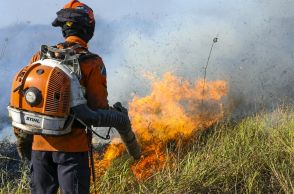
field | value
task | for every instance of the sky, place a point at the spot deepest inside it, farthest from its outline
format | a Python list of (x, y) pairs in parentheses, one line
[(36, 12), (43, 13), (254, 54)]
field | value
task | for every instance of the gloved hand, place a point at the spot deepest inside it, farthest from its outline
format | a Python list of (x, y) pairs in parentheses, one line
[(23, 144), (117, 106)]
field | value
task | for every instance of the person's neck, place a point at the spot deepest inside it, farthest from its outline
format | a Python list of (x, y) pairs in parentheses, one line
[(78, 40)]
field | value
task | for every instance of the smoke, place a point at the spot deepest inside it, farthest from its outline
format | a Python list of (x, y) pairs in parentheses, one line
[(254, 53)]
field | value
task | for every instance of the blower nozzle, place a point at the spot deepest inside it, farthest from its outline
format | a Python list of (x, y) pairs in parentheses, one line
[(114, 118)]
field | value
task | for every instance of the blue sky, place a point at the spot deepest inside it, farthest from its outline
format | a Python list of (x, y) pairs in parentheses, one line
[(42, 12)]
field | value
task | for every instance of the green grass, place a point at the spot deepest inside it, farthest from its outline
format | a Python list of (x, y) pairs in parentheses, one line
[(19, 185), (254, 155)]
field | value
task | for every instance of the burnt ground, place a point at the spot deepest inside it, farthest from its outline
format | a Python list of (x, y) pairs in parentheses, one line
[(10, 164)]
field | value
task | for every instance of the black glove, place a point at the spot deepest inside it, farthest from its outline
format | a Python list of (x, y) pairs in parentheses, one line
[(24, 144), (117, 106)]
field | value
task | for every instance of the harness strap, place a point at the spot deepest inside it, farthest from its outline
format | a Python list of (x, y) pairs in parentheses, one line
[(92, 164)]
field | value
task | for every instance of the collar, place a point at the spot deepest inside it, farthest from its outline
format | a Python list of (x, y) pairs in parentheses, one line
[(77, 40)]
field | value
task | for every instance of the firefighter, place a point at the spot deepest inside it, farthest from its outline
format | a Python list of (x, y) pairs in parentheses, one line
[(62, 161)]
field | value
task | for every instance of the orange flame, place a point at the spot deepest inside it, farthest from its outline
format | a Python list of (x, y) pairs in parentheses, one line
[(175, 108), (152, 162), (114, 150)]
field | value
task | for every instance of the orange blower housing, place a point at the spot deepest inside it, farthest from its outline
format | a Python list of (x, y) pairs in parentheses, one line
[(41, 98), (52, 86), (44, 92)]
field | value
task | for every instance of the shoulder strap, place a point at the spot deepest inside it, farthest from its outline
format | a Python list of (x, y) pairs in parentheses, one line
[(70, 54), (87, 55), (83, 55)]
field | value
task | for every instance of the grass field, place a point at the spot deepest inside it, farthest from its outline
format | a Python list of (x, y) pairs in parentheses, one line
[(253, 155)]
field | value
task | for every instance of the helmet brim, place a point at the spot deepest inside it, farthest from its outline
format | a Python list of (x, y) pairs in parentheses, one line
[(56, 23)]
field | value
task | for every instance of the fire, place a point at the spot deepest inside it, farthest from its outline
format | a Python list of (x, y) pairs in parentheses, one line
[(175, 108), (114, 150), (152, 162)]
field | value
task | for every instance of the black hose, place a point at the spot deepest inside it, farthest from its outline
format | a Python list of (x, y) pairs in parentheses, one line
[(109, 118), (103, 118)]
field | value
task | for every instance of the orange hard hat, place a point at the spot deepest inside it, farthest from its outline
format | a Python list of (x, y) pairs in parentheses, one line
[(76, 18), (75, 4), (75, 11)]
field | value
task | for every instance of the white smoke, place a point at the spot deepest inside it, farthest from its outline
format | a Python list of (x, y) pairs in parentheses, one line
[(254, 53)]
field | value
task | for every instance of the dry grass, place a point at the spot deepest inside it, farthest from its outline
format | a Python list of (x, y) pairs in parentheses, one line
[(255, 155)]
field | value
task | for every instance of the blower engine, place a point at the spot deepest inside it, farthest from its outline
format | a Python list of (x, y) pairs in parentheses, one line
[(43, 93)]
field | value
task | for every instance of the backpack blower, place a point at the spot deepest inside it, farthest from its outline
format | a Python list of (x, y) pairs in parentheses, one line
[(47, 97)]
